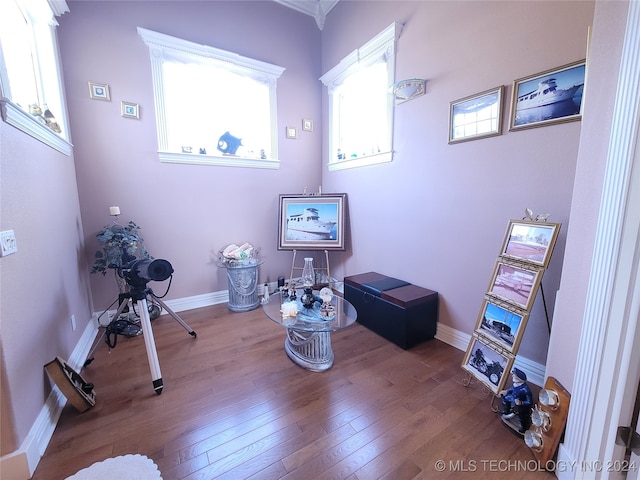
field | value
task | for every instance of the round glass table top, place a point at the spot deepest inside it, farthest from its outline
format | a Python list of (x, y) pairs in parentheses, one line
[(292, 314)]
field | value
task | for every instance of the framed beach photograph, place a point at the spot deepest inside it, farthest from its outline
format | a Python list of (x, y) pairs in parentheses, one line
[(99, 91), (487, 363), (312, 222), (515, 284), (476, 116), (531, 242), (549, 97), (130, 110), (502, 323)]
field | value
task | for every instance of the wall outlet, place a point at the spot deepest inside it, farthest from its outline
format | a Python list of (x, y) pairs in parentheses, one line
[(8, 243), (73, 323)]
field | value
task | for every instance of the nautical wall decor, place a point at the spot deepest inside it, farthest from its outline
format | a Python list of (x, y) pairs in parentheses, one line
[(549, 97), (312, 222)]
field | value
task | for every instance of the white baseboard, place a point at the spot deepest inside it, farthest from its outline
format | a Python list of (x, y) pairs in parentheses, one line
[(21, 464)]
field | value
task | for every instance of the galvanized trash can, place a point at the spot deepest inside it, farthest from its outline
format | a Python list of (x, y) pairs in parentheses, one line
[(243, 286)]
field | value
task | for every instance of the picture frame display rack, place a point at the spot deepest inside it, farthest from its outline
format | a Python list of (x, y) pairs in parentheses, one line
[(516, 279)]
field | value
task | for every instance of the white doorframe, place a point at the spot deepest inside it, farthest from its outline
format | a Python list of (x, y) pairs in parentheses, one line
[(608, 364)]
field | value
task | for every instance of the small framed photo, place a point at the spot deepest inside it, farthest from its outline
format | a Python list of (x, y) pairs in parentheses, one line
[(129, 110), (292, 132), (530, 242), (488, 363), (476, 116), (515, 284), (502, 323), (99, 91), (307, 125), (549, 97), (312, 222)]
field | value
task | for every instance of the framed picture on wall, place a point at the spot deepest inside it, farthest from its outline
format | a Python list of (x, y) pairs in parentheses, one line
[(502, 323), (530, 242), (549, 97), (476, 116), (99, 91), (487, 363), (312, 222), (515, 284)]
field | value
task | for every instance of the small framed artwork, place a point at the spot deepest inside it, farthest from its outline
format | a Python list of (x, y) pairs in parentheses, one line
[(488, 363), (129, 110), (476, 116), (531, 242), (501, 323), (549, 97), (515, 284), (312, 222), (292, 132), (307, 125), (99, 91)]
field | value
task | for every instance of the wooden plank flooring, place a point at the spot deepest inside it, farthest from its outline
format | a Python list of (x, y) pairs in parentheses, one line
[(235, 407)]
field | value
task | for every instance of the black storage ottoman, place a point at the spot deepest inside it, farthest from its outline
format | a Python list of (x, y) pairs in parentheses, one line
[(403, 313)]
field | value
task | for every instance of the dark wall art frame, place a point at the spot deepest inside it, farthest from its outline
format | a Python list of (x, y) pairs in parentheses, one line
[(476, 116), (549, 97), (502, 323), (312, 222), (514, 283), (487, 364), (530, 242)]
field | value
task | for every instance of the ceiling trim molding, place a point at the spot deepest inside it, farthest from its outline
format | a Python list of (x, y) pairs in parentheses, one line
[(318, 9)]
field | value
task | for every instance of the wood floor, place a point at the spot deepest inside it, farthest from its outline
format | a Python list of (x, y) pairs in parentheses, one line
[(234, 407)]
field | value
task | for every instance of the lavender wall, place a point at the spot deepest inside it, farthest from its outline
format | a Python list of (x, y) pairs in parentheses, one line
[(44, 283), (604, 65), (187, 212), (436, 216)]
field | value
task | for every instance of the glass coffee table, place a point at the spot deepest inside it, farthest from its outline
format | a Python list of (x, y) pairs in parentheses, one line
[(308, 340)]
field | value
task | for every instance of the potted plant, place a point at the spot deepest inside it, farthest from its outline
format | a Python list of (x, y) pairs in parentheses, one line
[(120, 245)]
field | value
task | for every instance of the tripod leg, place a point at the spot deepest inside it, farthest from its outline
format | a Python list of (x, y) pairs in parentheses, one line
[(149, 342), (121, 308), (176, 317)]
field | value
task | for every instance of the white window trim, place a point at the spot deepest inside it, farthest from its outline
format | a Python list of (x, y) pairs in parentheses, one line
[(160, 46), (383, 44), (16, 116)]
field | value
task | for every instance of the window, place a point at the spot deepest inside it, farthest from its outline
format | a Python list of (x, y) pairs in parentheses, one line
[(30, 78), (361, 105), (212, 106)]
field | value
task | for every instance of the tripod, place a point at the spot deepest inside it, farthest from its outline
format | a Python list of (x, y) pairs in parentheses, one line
[(138, 294)]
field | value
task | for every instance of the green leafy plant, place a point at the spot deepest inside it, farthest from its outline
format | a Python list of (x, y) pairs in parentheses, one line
[(117, 240)]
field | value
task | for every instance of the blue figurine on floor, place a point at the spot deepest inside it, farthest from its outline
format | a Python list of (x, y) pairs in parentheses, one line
[(518, 400)]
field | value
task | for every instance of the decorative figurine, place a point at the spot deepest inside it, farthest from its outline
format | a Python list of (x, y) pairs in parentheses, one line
[(229, 144), (517, 400)]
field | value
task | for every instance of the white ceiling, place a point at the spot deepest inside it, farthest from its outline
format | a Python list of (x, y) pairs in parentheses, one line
[(318, 9)]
